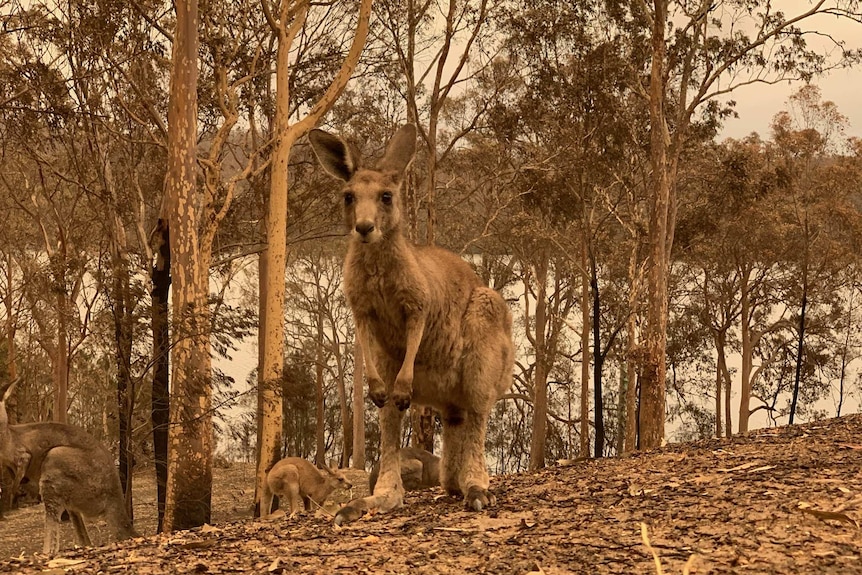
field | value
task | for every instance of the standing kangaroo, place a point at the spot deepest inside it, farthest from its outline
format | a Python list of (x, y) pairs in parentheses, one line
[(73, 471), (298, 480), (430, 331)]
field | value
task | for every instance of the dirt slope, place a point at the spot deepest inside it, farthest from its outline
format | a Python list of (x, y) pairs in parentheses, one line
[(784, 500)]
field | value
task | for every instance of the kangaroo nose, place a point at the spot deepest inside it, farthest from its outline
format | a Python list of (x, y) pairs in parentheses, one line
[(364, 228)]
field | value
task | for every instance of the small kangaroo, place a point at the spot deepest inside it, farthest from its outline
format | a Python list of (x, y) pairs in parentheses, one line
[(74, 473), (431, 332), (297, 480), (420, 469)]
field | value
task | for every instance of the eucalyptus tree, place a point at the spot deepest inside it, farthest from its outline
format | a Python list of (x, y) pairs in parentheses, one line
[(819, 219), (287, 21), (697, 54)]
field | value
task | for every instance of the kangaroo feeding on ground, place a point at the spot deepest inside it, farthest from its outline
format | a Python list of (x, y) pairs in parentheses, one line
[(420, 469), (298, 481), (73, 471), (430, 331)]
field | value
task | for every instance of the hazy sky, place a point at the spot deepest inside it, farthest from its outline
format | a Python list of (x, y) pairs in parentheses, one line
[(756, 105)]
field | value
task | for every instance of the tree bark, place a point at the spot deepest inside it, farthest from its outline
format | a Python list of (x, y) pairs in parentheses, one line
[(189, 489), (652, 404)]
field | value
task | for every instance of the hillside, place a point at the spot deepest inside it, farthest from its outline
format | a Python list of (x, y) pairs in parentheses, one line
[(785, 500)]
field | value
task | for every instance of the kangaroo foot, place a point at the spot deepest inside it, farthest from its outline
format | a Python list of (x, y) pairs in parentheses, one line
[(401, 399), (478, 499), (377, 392)]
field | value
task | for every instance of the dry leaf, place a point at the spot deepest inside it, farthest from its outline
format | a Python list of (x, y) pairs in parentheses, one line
[(61, 562), (537, 571), (764, 468), (742, 467), (829, 515)]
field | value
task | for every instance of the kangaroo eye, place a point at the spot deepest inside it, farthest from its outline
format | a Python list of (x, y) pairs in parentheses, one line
[(386, 198), (348, 198)]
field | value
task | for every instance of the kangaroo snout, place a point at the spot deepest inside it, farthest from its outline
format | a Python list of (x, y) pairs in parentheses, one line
[(364, 229)]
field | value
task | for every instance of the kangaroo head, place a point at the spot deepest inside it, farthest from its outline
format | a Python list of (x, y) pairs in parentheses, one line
[(372, 196), (336, 478)]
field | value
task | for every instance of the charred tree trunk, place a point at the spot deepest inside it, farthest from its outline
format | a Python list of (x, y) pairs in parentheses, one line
[(800, 349), (161, 279)]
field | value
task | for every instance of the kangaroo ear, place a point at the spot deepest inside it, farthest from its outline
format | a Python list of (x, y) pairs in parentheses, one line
[(400, 150), (6, 390), (336, 156)]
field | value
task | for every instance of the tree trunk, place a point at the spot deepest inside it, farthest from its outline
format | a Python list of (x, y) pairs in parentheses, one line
[(540, 383), (747, 351), (800, 347), (272, 360), (585, 357), (6, 477), (598, 364), (61, 357), (189, 489), (632, 359), (358, 408), (652, 404), (161, 279), (320, 419), (122, 309), (270, 400)]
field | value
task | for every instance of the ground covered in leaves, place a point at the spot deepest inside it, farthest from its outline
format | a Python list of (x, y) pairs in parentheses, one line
[(785, 500)]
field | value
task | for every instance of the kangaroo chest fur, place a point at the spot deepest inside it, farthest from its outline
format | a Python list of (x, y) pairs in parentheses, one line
[(385, 287)]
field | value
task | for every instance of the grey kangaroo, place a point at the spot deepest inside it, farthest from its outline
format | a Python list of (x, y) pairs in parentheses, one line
[(420, 469), (73, 471), (430, 331), (298, 481)]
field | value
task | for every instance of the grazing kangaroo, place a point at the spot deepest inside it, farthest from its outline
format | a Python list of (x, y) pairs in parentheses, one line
[(74, 473), (430, 331), (420, 469), (297, 480)]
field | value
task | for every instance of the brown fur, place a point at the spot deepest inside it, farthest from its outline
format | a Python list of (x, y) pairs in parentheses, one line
[(297, 481), (74, 472), (430, 331), (420, 469)]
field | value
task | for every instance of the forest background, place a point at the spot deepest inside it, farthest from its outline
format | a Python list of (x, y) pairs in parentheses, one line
[(658, 272)]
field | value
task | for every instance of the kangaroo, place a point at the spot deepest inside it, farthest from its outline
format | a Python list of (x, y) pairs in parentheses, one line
[(419, 469), (74, 473), (299, 481), (430, 331)]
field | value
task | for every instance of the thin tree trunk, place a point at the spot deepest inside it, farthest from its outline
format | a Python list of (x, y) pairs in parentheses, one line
[(800, 348), (747, 352), (160, 413), (540, 383), (632, 360), (358, 408), (598, 364), (585, 357), (123, 341), (320, 421)]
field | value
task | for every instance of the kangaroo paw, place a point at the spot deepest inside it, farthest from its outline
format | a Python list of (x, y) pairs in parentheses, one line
[(478, 499), (378, 397), (402, 400)]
